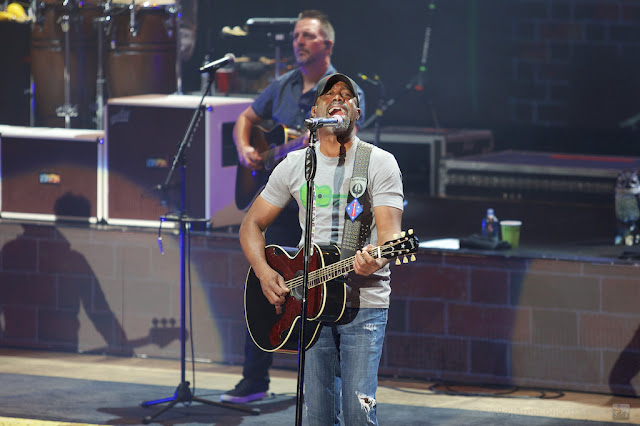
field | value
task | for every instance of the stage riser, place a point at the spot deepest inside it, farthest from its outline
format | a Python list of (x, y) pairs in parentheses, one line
[(483, 317)]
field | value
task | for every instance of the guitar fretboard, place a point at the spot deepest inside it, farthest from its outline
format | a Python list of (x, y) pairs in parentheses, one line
[(341, 267), (272, 156)]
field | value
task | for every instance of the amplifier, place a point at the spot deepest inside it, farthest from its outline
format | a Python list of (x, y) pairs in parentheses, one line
[(143, 134), (534, 176), (51, 173)]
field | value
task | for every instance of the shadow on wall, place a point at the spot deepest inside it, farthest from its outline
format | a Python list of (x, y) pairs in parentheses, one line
[(626, 367), (44, 284), (70, 205)]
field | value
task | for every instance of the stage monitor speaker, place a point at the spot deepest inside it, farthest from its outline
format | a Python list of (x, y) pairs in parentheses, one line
[(51, 173), (143, 135)]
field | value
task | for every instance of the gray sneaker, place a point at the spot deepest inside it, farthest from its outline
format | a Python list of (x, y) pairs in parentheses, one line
[(245, 391)]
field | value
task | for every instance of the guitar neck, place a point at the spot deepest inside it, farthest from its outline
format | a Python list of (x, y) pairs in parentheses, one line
[(330, 272), (273, 156), (400, 246)]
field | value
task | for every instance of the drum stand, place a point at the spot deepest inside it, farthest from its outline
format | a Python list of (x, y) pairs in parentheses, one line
[(100, 80), (183, 393), (66, 110), (178, 23)]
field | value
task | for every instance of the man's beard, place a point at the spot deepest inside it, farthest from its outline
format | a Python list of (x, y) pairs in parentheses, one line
[(342, 127)]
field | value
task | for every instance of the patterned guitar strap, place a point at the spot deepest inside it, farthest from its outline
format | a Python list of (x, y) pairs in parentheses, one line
[(359, 212)]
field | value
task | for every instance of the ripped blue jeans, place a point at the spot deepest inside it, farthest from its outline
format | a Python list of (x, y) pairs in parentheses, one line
[(341, 369)]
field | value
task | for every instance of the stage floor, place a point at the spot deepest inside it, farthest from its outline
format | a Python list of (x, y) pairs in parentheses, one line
[(53, 387)]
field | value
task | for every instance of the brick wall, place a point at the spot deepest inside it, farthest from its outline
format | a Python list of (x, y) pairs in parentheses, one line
[(574, 62), (564, 324), (495, 319)]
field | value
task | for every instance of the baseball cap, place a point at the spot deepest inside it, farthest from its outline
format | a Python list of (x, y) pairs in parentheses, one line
[(327, 83)]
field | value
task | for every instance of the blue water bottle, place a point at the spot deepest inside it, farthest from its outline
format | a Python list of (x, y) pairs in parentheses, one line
[(491, 226)]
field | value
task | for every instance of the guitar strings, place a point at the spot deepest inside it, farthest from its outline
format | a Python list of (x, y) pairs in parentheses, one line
[(342, 265)]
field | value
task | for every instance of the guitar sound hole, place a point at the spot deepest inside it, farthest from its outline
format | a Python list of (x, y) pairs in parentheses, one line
[(296, 292)]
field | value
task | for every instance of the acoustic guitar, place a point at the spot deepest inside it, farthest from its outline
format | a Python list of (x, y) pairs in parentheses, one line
[(326, 292), (272, 145)]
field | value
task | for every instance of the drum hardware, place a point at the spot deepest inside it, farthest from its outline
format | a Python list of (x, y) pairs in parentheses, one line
[(133, 29), (176, 12), (100, 79), (278, 30), (64, 34), (32, 102), (169, 26), (66, 110), (38, 8), (142, 53)]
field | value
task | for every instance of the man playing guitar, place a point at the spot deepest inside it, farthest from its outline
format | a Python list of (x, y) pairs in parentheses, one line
[(286, 101)]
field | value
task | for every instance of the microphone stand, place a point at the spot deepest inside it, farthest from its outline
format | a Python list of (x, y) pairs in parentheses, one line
[(380, 109), (415, 84), (310, 173), (183, 394)]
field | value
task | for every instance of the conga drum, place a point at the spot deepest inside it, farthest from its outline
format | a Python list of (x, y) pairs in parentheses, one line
[(48, 40), (141, 55)]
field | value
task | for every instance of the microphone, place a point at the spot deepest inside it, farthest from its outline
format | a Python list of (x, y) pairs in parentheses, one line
[(316, 123), (228, 59)]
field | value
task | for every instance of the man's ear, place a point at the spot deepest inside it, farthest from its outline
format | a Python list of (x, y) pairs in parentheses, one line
[(313, 111)]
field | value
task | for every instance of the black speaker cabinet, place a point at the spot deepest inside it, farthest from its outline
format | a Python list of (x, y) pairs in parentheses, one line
[(143, 134), (417, 153), (50, 173)]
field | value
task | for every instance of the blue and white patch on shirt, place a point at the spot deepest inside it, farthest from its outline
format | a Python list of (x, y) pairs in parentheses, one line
[(354, 209)]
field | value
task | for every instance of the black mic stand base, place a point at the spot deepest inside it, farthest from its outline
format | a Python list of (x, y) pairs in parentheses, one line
[(183, 394)]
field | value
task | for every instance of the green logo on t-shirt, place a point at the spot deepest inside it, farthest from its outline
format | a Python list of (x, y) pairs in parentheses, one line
[(324, 195)]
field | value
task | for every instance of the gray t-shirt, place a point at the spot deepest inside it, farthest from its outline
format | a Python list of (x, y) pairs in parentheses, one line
[(331, 190)]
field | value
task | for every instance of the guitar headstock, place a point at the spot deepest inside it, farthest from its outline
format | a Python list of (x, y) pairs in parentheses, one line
[(402, 245), (164, 332)]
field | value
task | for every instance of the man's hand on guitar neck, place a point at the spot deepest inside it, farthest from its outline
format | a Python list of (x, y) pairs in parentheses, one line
[(365, 264)]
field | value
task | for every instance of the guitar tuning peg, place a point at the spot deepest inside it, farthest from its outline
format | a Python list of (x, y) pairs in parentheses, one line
[(410, 231), (402, 234), (405, 260), (413, 258), (397, 261), (395, 236)]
